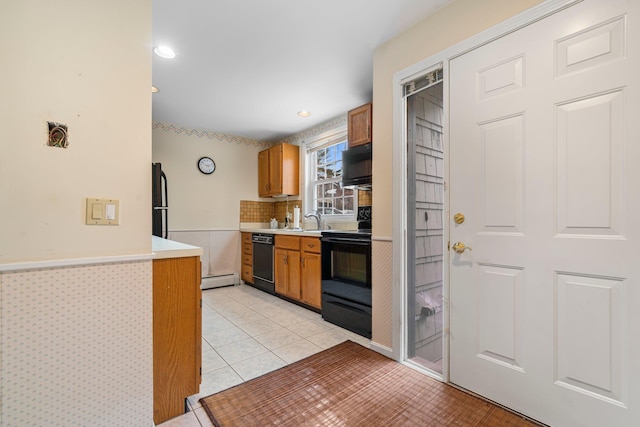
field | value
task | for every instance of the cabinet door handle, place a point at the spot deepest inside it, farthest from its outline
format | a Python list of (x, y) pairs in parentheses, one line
[(286, 258), (302, 260)]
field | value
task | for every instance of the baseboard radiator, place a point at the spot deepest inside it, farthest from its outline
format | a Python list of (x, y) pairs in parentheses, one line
[(219, 281)]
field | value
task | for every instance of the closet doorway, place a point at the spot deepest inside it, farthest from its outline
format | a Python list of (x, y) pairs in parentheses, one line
[(425, 221)]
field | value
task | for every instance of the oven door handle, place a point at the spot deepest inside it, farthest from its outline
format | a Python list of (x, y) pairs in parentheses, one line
[(346, 240), (348, 306)]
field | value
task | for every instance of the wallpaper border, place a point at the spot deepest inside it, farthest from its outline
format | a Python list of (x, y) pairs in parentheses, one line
[(211, 135), (299, 138), (296, 139)]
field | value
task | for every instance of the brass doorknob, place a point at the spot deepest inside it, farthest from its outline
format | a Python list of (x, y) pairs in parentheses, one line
[(460, 247), (458, 218)]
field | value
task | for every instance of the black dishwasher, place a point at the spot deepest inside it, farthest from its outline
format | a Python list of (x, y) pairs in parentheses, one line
[(263, 262)]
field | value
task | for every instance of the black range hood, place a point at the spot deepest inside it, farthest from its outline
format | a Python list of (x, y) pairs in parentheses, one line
[(356, 166)]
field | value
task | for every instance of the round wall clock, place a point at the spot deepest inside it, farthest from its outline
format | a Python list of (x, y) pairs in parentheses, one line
[(206, 165)]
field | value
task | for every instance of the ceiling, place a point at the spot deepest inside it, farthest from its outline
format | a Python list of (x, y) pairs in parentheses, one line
[(246, 67)]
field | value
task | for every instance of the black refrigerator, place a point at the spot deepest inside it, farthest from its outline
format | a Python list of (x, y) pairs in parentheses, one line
[(160, 202)]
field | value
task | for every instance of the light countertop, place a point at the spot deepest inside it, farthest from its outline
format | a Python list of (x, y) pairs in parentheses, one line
[(301, 233), (163, 248)]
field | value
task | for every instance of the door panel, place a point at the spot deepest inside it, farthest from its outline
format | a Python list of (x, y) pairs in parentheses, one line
[(590, 164), (500, 297), (544, 135), (590, 342), (502, 174)]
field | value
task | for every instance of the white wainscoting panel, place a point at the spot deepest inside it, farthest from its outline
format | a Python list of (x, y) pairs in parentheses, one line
[(77, 346)]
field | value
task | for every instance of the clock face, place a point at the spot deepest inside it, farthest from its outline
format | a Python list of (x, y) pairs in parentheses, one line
[(206, 165)]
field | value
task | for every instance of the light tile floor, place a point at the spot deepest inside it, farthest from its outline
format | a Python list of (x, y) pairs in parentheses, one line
[(247, 333)]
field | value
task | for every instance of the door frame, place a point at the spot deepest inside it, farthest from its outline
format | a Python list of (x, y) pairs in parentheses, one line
[(399, 185)]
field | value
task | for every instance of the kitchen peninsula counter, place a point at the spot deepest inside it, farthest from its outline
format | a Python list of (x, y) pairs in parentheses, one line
[(164, 248), (177, 326)]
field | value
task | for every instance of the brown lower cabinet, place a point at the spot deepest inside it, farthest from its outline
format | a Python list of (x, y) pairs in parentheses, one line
[(177, 334), (287, 266), (311, 274), (298, 269), (247, 258)]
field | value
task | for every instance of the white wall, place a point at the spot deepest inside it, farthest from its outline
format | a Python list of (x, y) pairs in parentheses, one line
[(206, 202), (76, 338), (451, 24), (86, 64)]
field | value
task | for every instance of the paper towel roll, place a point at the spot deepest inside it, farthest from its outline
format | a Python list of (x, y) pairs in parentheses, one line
[(296, 217)]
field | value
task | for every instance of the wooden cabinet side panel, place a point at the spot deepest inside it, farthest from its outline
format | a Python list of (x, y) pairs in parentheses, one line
[(176, 334), (263, 174), (275, 169), (290, 169), (198, 320)]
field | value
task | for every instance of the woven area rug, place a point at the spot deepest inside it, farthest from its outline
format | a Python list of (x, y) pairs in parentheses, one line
[(350, 385)]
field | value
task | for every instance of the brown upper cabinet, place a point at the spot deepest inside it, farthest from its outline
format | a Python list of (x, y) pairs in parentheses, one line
[(279, 170), (359, 125)]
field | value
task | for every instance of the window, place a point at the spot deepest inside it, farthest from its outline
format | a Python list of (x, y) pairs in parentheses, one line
[(326, 193)]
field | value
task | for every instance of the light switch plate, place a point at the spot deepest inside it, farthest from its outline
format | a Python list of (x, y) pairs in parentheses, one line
[(102, 211)]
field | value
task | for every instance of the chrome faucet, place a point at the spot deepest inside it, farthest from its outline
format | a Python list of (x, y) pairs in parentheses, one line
[(316, 215)]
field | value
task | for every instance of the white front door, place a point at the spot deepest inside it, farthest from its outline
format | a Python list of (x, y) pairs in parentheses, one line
[(544, 161)]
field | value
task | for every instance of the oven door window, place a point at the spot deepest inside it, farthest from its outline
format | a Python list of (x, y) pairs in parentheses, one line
[(351, 263)]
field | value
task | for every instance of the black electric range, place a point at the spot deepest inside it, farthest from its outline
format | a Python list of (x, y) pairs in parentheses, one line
[(346, 279)]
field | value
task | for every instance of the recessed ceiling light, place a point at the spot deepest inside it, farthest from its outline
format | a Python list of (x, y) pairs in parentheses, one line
[(304, 113), (164, 52), (154, 89)]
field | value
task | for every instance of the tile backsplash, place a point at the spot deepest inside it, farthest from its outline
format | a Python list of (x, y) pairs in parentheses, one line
[(280, 209), (251, 211), (364, 198), (257, 212), (262, 212)]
